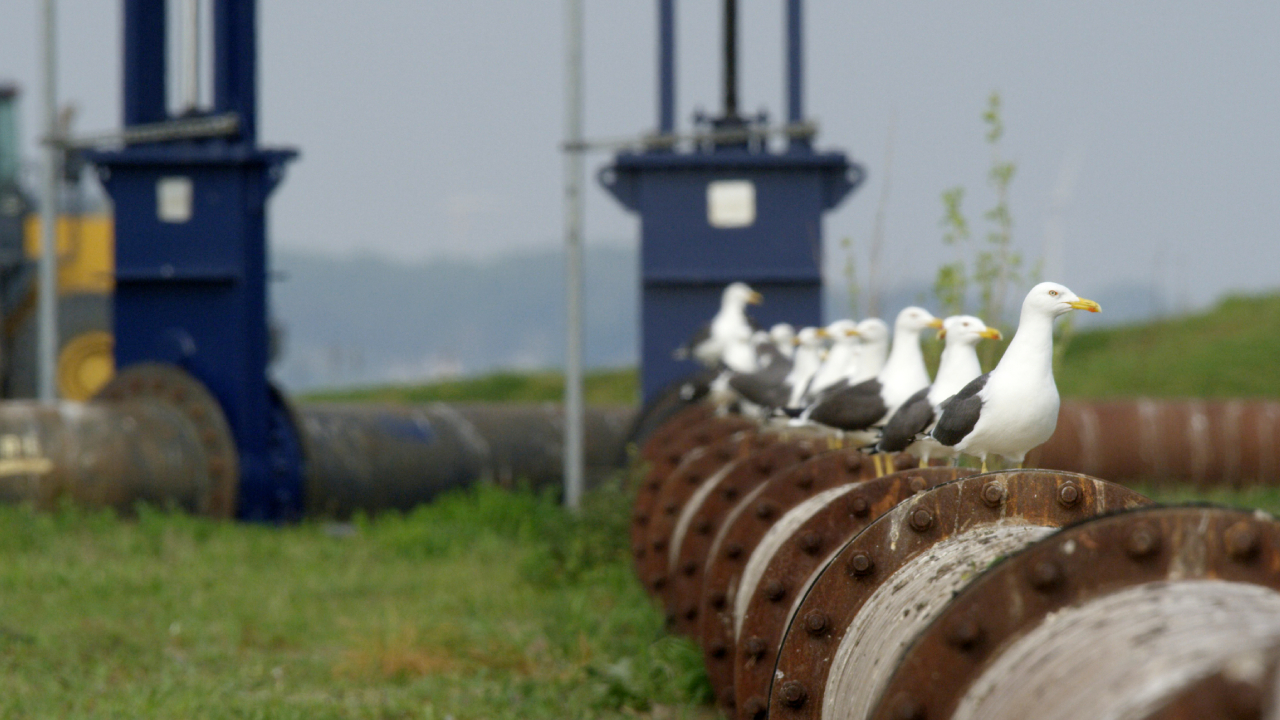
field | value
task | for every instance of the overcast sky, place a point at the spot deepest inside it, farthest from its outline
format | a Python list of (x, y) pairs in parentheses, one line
[(1146, 134)]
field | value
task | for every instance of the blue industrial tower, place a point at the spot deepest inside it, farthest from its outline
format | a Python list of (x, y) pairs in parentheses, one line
[(190, 229), (727, 209)]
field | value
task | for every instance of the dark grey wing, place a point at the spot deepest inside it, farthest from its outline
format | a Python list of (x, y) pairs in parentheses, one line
[(907, 422), (959, 413), (685, 351), (857, 407)]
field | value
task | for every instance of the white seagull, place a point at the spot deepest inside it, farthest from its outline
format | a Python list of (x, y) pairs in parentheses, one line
[(1014, 407), (863, 407), (730, 324), (957, 367)]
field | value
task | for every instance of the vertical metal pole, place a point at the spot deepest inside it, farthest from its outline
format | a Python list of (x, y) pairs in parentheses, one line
[(190, 55), (47, 308), (730, 58), (795, 65), (666, 67), (573, 405)]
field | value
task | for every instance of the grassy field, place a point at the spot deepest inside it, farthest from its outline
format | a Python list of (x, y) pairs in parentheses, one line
[(600, 387), (486, 604)]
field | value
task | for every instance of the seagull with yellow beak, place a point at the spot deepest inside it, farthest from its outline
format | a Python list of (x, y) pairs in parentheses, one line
[(1013, 408)]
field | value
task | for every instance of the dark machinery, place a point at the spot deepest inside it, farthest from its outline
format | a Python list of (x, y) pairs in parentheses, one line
[(727, 208)]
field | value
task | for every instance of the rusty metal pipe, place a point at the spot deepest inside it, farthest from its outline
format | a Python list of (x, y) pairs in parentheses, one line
[(385, 457), (103, 455)]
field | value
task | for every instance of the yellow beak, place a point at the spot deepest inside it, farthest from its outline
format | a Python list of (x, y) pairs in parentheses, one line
[(821, 332), (991, 334), (936, 324), (942, 334), (1082, 304), (755, 298), (851, 333)]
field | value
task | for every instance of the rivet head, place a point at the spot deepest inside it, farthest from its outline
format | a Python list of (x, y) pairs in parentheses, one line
[(691, 612), (964, 633), (689, 568), (660, 544), (793, 694), (754, 648), (727, 699), (674, 458), (655, 485), (1142, 542), (815, 622), (859, 506), (642, 521), (774, 591), (804, 452), (702, 438), (1045, 575), (766, 510), (1241, 541), (921, 519), (755, 707), (659, 583), (1069, 494), (916, 483), (993, 493), (853, 462), (730, 494), (811, 543), (724, 455), (719, 600), (733, 550), (704, 527), (670, 508), (764, 465), (861, 564), (718, 649), (804, 480), (692, 479), (638, 552)]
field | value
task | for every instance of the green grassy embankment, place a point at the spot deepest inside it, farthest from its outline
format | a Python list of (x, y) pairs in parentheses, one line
[(600, 387)]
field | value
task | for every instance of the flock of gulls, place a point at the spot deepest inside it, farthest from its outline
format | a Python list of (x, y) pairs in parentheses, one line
[(874, 388)]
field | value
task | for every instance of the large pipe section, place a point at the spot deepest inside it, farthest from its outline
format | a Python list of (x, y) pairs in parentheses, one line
[(157, 435), (818, 590)]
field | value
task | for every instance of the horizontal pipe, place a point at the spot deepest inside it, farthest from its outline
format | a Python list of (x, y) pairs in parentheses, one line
[(382, 457), (103, 455), (1202, 442)]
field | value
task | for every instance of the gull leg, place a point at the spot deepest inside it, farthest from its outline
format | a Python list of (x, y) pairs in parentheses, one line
[(1019, 465), (984, 463), (924, 461)]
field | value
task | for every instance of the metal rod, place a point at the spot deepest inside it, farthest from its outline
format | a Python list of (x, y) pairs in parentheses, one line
[(190, 55), (730, 58), (666, 67), (185, 128), (729, 135), (795, 63), (47, 308), (573, 402)]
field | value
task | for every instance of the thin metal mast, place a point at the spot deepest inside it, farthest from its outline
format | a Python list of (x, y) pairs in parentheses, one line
[(573, 167)]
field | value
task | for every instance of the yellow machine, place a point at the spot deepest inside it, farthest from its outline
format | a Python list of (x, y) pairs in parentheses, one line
[(86, 252)]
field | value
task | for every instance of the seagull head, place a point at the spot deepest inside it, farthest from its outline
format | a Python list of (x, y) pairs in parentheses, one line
[(782, 334), (843, 332), (915, 319), (740, 294), (872, 331), (966, 330), (811, 337), (1053, 300)]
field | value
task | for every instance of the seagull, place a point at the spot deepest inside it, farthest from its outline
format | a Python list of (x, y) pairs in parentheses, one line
[(1014, 407), (730, 323), (783, 337), (840, 359), (766, 386), (958, 365), (860, 408), (805, 363)]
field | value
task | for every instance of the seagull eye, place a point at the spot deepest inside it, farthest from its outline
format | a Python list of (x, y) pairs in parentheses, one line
[(1053, 293)]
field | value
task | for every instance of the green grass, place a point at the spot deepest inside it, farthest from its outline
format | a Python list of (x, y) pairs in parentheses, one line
[(600, 387), (486, 604), (1228, 351)]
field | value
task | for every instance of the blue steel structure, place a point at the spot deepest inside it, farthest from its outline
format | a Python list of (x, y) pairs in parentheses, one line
[(191, 288), (685, 259)]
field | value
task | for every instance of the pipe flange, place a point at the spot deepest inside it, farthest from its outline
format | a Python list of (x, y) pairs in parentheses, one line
[(689, 545), (1074, 570), (936, 539), (833, 517), (744, 526), (182, 391), (652, 528)]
